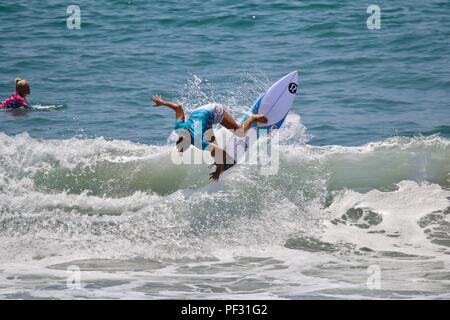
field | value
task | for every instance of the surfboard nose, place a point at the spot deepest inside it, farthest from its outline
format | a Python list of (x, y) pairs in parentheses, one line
[(292, 75)]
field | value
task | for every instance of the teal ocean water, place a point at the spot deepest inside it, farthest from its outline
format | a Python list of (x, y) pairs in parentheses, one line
[(86, 177)]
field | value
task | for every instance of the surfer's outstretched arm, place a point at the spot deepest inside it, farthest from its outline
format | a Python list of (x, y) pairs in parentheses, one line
[(219, 155), (179, 113)]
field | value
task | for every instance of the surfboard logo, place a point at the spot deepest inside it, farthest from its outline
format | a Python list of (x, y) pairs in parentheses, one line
[(292, 88)]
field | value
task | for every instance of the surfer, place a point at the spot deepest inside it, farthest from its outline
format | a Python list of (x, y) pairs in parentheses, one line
[(199, 122), (18, 98)]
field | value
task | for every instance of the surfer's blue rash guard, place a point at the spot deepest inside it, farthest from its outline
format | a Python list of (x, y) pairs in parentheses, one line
[(198, 123)]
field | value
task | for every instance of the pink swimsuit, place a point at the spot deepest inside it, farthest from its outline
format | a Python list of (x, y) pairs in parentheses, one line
[(14, 102)]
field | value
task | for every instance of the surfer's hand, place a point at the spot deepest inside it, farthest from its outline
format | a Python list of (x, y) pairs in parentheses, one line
[(214, 176), (157, 100)]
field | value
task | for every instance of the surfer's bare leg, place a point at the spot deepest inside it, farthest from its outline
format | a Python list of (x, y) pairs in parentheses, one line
[(219, 155), (231, 124), (179, 113)]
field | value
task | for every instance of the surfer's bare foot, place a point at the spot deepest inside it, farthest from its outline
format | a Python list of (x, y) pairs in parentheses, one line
[(214, 176), (157, 100), (260, 118)]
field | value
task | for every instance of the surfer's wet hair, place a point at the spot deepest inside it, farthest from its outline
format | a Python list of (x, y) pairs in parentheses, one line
[(22, 86)]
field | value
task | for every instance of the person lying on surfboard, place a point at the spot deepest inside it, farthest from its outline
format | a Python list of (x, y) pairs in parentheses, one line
[(18, 98), (200, 121)]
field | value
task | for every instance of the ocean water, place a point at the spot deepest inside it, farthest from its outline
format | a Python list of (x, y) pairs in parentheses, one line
[(360, 206)]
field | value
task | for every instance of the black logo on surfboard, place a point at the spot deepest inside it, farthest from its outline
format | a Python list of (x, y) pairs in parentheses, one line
[(292, 88)]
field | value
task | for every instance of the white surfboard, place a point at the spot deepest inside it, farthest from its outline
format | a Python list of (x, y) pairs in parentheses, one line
[(274, 104)]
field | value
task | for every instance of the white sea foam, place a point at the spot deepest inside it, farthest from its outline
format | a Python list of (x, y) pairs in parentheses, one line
[(63, 201)]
